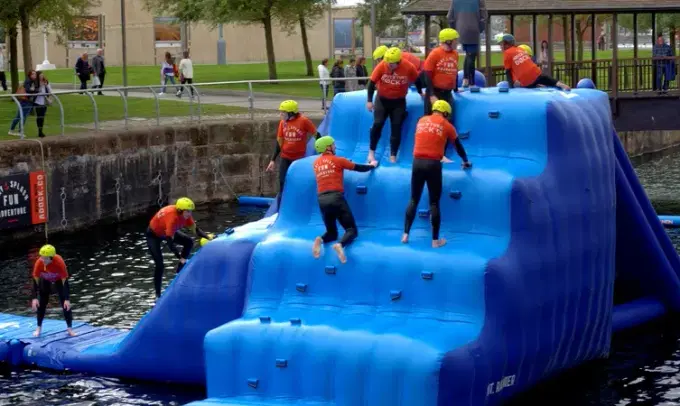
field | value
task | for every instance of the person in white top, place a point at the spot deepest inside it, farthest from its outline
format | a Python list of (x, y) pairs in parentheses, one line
[(3, 78), (186, 74), (324, 75), (42, 102)]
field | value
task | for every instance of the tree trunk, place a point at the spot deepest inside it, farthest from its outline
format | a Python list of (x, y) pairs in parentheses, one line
[(565, 36), (13, 57), (672, 38), (580, 33), (269, 39), (26, 40), (305, 46)]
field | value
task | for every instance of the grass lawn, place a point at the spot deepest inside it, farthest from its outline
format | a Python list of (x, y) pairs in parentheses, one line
[(78, 110), (150, 75)]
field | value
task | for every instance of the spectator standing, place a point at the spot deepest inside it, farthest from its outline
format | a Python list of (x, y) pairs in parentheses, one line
[(167, 72), (468, 17), (3, 78), (83, 70), (542, 57), (664, 67), (338, 72), (186, 74), (42, 102), (29, 88), (99, 71), (362, 72), (351, 73), (324, 75)]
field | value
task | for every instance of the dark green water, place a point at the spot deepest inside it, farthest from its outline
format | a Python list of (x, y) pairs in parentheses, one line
[(111, 285)]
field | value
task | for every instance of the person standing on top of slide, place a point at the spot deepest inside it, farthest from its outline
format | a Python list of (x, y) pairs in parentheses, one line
[(432, 132), (441, 71), (468, 17), (329, 170), (49, 272), (391, 77), (520, 70), (166, 225), (291, 140)]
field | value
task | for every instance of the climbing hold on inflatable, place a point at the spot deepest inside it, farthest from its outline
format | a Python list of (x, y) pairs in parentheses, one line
[(362, 189), (480, 79), (503, 85), (585, 83)]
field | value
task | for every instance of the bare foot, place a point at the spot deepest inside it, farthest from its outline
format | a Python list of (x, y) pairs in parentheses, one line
[(438, 243), (341, 252), (71, 332), (393, 159), (36, 333), (371, 156), (404, 238), (316, 248)]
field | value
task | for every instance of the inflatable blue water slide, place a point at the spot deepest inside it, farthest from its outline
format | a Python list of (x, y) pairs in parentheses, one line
[(552, 247)]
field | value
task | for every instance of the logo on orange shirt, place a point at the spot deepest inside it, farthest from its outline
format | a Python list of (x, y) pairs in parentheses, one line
[(292, 134), (520, 57), (447, 65), (394, 79), (325, 168), (430, 127)]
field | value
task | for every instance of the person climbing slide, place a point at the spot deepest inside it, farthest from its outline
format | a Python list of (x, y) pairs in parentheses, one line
[(329, 170), (432, 132), (441, 71), (166, 225), (391, 77), (520, 70), (49, 273), (294, 132)]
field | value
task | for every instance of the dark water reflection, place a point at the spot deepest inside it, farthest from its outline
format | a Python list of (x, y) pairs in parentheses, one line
[(112, 286)]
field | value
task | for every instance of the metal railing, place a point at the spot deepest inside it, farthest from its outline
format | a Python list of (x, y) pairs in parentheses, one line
[(195, 103)]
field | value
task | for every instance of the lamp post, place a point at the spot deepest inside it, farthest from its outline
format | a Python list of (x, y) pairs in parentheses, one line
[(331, 54), (123, 36), (221, 46), (46, 65)]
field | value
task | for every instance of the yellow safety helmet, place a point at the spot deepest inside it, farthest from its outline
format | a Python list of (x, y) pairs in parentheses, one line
[(379, 52), (448, 34), (526, 49), (184, 203), (393, 55), (47, 250), (442, 106), (289, 106), (322, 144), (204, 241)]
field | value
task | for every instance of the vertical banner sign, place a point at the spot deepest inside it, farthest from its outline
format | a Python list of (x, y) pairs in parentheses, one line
[(22, 200)]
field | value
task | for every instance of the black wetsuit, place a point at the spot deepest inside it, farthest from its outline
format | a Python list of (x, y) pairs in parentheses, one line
[(42, 289), (441, 94), (284, 165), (543, 80)]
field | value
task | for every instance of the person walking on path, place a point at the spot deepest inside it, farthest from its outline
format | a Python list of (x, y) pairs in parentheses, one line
[(42, 101), (167, 73), (99, 71), (29, 88), (338, 73), (324, 75), (468, 17), (186, 74), (3, 78), (83, 70)]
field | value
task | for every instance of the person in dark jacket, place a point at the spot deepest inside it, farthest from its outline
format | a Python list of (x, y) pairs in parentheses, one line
[(99, 70), (30, 87), (664, 65), (468, 17), (338, 72), (83, 70), (362, 72)]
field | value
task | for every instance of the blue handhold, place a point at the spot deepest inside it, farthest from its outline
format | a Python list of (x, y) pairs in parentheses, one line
[(455, 194), (395, 294), (229, 231), (330, 269), (281, 363), (494, 114), (464, 135), (585, 83), (474, 89), (301, 287), (16, 352), (362, 189), (252, 382), (265, 319), (295, 321), (503, 85), (423, 213), (427, 275), (503, 90)]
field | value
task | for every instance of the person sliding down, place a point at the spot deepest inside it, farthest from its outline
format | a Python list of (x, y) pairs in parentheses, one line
[(391, 77), (432, 132), (329, 169), (520, 70), (441, 71), (291, 140), (49, 272), (166, 225)]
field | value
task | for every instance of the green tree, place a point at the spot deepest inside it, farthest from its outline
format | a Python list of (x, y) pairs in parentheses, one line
[(9, 18), (667, 24), (387, 14), (303, 14)]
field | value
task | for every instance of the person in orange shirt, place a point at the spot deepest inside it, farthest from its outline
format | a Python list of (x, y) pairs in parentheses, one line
[(432, 132), (49, 272), (441, 71), (520, 70), (329, 170), (391, 77), (166, 225), (291, 140)]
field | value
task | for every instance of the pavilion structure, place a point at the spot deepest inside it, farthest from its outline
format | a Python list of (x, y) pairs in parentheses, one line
[(621, 77)]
